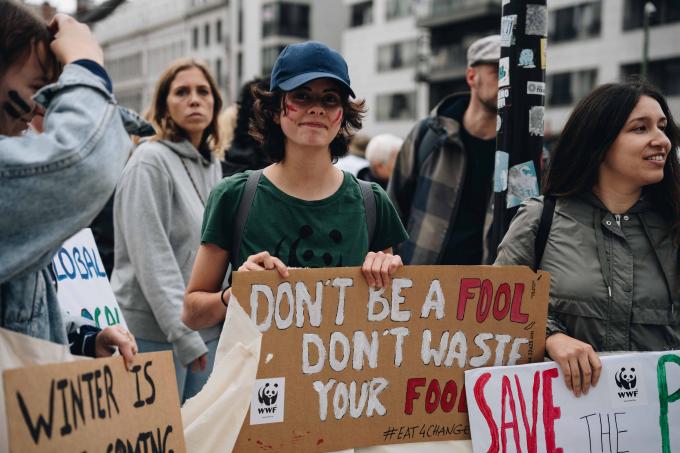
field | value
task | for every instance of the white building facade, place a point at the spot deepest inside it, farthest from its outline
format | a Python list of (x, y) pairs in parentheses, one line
[(380, 44), (139, 45), (598, 41)]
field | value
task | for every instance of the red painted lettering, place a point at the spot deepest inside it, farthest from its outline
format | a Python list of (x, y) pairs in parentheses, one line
[(464, 294), (530, 431), (550, 412), (516, 315), (462, 403), (485, 301), (506, 395), (503, 291), (449, 396), (432, 396), (412, 394), (486, 410)]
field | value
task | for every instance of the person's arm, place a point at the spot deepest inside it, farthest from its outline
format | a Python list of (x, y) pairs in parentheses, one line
[(205, 302), (401, 187), (142, 213), (53, 184)]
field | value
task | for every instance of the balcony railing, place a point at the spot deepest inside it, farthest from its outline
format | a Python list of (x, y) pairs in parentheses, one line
[(437, 12)]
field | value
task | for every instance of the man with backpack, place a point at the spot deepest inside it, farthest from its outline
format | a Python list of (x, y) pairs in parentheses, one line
[(442, 184)]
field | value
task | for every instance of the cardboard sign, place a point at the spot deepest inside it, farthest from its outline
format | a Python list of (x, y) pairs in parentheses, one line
[(343, 365), (528, 408), (83, 289), (95, 406)]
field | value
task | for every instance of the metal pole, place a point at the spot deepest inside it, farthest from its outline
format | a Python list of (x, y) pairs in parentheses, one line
[(649, 10), (521, 100)]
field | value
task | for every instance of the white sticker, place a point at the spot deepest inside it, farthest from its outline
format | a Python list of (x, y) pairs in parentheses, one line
[(626, 385), (536, 88), (507, 29), (267, 402), (503, 93), (501, 103), (536, 114), (526, 59), (499, 122), (505, 2), (537, 20), (504, 72)]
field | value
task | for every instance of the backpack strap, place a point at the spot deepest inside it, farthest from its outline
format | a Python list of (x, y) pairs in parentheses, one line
[(543, 229), (369, 207), (242, 214)]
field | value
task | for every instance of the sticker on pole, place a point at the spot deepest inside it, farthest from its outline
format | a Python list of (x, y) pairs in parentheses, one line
[(504, 72), (537, 20), (507, 29), (536, 88), (267, 402)]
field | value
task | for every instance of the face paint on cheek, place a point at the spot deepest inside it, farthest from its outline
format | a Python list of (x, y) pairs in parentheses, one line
[(338, 117), (290, 108)]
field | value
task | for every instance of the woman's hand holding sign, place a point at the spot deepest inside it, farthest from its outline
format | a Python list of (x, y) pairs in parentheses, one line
[(579, 363)]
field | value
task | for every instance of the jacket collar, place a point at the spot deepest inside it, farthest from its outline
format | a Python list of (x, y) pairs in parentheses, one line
[(445, 124), (186, 150)]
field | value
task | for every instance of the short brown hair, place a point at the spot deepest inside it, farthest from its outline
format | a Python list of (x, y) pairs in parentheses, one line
[(166, 129), (265, 130), (20, 30)]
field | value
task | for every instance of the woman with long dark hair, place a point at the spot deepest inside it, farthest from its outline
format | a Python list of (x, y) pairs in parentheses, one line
[(612, 249)]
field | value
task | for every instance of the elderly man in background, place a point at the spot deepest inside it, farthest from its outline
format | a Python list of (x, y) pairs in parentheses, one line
[(381, 154)]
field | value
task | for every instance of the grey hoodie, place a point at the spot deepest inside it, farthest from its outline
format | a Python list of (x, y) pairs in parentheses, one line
[(157, 220)]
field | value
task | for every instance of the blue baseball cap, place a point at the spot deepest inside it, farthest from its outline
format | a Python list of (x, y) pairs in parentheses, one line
[(300, 63)]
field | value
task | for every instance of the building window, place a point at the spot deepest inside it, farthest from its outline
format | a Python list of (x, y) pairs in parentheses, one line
[(206, 34), (575, 22), (125, 68), (397, 55), (269, 56), (398, 8), (218, 71), (396, 106), (662, 73), (568, 88), (218, 30), (285, 19), (361, 14), (240, 25), (194, 38), (667, 11)]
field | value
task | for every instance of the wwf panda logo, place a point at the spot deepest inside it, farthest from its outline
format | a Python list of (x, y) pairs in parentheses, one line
[(626, 379), (267, 394)]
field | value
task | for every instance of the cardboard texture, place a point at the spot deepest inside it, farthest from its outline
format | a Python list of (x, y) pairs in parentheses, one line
[(347, 366), (633, 408), (95, 406)]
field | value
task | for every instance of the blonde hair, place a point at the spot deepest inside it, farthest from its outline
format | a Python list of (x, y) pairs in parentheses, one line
[(166, 129)]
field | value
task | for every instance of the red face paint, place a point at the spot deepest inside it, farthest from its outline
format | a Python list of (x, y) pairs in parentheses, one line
[(291, 107), (338, 116)]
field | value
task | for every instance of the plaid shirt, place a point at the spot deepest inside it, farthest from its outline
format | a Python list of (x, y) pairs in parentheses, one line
[(426, 195)]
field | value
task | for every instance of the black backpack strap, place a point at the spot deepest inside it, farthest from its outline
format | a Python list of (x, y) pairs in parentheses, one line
[(543, 229), (242, 214), (369, 206)]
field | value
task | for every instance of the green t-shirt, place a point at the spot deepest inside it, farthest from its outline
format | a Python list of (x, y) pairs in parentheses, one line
[(324, 233)]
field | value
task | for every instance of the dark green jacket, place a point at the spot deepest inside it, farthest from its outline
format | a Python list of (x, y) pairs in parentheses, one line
[(614, 287)]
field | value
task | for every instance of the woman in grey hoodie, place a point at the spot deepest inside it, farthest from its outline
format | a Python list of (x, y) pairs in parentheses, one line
[(158, 210)]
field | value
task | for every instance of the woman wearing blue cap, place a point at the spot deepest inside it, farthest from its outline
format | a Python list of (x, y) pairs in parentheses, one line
[(301, 211)]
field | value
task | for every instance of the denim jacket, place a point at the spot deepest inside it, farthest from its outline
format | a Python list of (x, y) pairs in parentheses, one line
[(52, 185)]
